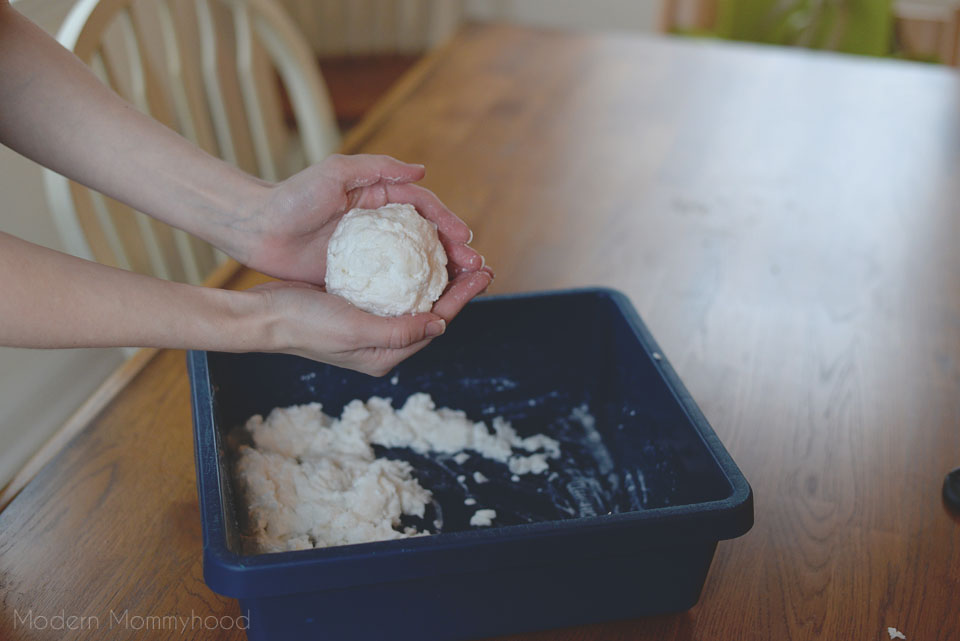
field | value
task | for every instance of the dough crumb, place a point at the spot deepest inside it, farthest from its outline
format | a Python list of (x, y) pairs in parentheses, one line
[(480, 478), (534, 464), (896, 634), (483, 518), (470, 501)]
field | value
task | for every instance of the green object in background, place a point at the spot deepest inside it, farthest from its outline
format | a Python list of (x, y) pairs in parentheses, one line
[(852, 26)]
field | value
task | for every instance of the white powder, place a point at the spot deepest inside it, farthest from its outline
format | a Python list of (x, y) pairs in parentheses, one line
[(387, 261), (483, 518), (313, 481), (479, 478)]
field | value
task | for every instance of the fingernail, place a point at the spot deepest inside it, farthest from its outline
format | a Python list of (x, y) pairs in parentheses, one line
[(437, 327), (483, 262), (416, 164)]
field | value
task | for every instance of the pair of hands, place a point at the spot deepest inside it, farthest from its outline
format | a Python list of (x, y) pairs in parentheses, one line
[(285, 235)]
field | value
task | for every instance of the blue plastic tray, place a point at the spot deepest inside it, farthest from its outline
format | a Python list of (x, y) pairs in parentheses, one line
[(672, 489)]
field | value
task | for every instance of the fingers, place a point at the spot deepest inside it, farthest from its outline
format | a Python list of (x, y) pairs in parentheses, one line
[(485, 269), (463, 258), (402, 331), (430, 207), (453, 232), (306, 321), (386, 360), (461, 290), (361, 170), (396, 339)]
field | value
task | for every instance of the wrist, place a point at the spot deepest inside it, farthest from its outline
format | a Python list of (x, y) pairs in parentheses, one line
[(245, 321), (230, 213)]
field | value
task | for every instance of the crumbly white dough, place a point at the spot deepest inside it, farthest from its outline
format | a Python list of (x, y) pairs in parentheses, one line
[(387, 261), (309, 480)]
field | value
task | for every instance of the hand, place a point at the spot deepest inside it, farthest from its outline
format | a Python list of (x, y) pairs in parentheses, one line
[(86, 304), (309, 322), (286, 233)]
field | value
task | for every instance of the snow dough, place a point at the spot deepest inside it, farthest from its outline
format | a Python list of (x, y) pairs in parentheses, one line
[(387, 261), (312, 480)]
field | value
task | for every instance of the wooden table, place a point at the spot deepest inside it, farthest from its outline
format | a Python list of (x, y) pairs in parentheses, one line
[(786, 223)]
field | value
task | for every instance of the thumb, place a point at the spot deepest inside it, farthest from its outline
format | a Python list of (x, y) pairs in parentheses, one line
[(403, 331)]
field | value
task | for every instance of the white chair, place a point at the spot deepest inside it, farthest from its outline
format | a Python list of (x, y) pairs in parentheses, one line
[(211, 70)]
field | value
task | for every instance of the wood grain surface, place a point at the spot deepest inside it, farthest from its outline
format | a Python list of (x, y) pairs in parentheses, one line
[(786, 222)]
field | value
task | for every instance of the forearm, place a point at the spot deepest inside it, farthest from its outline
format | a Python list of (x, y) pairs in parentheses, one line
[(56, 112), (49, 299)]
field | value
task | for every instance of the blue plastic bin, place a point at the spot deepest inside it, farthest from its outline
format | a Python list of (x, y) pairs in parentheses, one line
[(531, 358)]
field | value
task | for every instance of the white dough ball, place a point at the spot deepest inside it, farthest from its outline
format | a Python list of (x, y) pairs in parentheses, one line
[(387, 261)]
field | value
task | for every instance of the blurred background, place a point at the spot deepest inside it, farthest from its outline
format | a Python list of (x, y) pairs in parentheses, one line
[(361, 48)]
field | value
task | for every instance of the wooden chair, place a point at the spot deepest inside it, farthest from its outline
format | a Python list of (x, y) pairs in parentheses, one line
[(212, 70)]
